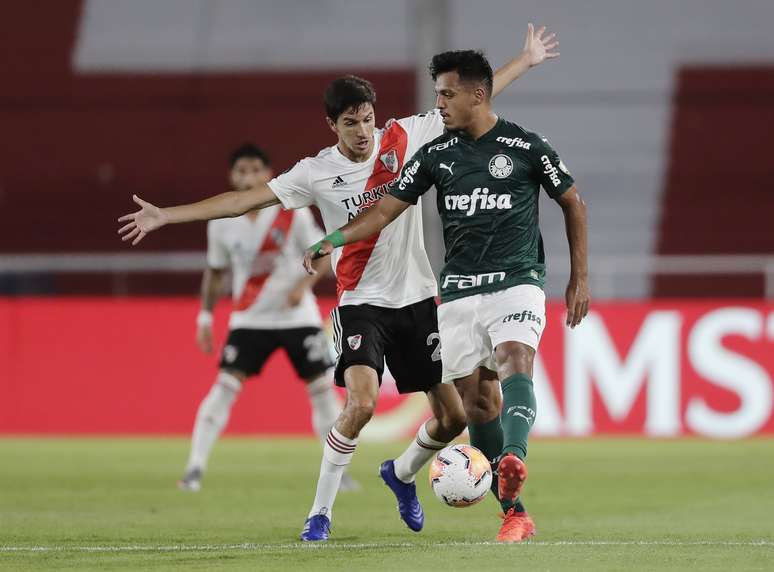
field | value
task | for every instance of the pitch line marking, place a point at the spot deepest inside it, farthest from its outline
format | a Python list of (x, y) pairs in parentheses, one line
[(248, 547)]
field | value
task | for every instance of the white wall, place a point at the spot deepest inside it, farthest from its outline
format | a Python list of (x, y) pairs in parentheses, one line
[(241, 35)]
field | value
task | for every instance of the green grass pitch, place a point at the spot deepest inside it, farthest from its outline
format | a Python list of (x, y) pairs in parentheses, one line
[(605, 504)]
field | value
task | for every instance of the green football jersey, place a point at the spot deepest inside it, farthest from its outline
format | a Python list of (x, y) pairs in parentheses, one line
[(488, 191)]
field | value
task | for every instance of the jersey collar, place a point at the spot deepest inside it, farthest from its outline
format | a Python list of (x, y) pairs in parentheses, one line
[(491, 134)]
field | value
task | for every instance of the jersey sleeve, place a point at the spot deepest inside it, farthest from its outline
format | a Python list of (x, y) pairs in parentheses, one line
[(551, 171), (308, 230), (217, 253), (423, 127), (415, 178), (293, 187)]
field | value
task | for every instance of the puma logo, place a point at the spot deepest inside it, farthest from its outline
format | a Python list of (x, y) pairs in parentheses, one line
[(448, 167), (522, 411)]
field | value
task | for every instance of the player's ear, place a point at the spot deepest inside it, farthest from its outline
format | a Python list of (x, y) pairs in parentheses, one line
[(480, 95), (331, 124)]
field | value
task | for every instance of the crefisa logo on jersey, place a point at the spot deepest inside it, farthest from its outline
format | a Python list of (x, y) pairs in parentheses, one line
[(479, 200), (514, 142), (500, 166), (390, 160), (408, 175), (551, 171), (354, 341)]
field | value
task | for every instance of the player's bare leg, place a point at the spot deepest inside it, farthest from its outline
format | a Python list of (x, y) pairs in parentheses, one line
[(325, 410), (514, 368), (362, 383), (211, 419), (447, 422)]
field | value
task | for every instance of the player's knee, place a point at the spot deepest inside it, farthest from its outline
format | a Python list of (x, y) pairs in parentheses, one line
[(514, 357), (481, 408), (361, 409)]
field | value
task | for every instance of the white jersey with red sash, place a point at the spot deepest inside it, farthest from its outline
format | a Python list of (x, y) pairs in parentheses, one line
[(390, 270), (265, 257)]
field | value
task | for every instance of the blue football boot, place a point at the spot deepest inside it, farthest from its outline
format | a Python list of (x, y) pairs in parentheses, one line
[(316, 528), (408, 504)]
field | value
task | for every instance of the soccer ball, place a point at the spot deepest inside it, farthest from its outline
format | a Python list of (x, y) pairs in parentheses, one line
[(460, 475)]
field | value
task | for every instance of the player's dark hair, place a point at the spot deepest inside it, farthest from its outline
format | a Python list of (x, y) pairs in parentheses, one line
[(249, 151), (471, 65), (347, 92)]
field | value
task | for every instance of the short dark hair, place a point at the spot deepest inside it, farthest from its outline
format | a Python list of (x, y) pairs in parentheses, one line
[(250, 151), (346, 92), (471, 65)]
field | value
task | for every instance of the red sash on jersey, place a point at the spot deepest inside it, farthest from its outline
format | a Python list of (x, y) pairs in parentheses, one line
[(272, 243), (355, 256)]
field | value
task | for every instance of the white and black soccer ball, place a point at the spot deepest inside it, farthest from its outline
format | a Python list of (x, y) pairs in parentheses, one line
[(460, 475)]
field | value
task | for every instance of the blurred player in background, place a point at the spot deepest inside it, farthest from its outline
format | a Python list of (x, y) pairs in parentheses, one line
[(274, 308), (386, 286), (488, 173)]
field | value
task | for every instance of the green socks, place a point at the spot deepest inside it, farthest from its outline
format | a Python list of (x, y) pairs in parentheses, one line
[(517, 418), (518, 413), (509, 432), (488, 438)]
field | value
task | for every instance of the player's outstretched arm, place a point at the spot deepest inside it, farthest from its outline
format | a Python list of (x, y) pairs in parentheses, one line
[(538, 47), (363, 226), (577, 292), (231, 204)]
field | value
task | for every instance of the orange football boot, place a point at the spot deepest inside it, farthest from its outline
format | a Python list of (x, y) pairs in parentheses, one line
[(516, 527), (511, 474)]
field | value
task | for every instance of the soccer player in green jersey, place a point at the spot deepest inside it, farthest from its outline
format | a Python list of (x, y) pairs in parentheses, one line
[(488, 173)]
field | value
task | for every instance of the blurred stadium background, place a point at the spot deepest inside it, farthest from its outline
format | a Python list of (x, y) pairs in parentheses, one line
[(664, 112)]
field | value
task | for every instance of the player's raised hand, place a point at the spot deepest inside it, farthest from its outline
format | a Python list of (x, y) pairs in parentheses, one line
[(140, 223), (539, 46), (322, 248), (577, 297)]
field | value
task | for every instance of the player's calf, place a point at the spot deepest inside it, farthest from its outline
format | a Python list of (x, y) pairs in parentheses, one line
[(339, 447)]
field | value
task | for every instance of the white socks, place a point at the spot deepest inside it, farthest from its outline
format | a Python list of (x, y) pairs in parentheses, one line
[(325, 406), (416, 455), (337, 454), (212, 418)]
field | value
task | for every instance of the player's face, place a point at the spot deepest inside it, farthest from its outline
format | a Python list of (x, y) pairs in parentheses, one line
[(248, 172), (456, 100), (355, 130)]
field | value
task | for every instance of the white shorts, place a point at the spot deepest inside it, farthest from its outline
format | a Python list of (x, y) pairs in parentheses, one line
[(472, 327)]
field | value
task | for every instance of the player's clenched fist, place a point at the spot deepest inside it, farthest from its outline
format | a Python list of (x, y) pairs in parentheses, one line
[(322, 248), (317, 250)]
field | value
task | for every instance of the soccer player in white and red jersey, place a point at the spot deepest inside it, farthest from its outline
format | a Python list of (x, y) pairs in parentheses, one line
[(386, 288), (274, 309)]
